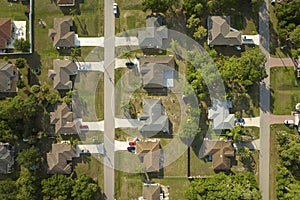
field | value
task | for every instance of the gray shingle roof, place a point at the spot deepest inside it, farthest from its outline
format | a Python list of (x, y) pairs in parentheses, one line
[(219, 113), (62, 118), (153, 120), (61, 33), (220, 32), (59, 159), (153, 69), (6, 158), (154, 34), (62, 70), (7, 73)]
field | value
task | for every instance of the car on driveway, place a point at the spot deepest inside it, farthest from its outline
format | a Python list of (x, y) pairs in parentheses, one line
[(131, 149), (288, 122), (84, 126)]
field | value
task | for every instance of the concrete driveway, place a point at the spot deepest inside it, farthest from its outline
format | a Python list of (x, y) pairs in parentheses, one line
[(90, 148), (254, 121), (90, 66), (89, 41), (126, 41), (250, 39)]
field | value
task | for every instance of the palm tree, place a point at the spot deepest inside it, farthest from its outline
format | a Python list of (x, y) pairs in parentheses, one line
[(74, 53)]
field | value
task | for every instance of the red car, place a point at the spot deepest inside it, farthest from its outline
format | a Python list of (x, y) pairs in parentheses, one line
[(132, 143), (84, 127)]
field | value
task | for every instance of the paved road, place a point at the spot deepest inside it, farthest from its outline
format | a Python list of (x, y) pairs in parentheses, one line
[(264, 155), (281, 62), (109, 100)]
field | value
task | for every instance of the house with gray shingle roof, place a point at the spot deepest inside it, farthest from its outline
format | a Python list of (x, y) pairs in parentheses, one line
[(60, 158), (8, 78), (61, 34), (155, 34), (153, 120), (6, 158), (149, 155), (62, 118), (157, 73), (220, 32), (220, 116), (61, 74)]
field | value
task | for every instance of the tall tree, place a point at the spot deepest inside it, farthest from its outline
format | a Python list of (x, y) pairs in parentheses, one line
[(84, 188), (157, 5), (29, 158), (26, 185)]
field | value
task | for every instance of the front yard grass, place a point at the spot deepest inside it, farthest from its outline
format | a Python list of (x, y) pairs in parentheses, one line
[(285, 90)]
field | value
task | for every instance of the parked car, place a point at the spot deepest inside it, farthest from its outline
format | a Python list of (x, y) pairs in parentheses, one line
[(273, 2), (132, 143), (84, 126), (288, 122), (131, 149), (115, 8), (240, 122)]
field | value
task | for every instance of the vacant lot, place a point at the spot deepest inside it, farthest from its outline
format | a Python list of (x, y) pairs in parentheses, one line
[(285, 90)]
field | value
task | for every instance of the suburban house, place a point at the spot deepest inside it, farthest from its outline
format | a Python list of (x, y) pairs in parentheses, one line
[(220, 152), (153, 120), (5, 32), (157, 73), (8, 78), (219, 114), (6, 158), (220, 32), (62, 118), (65, 2), (152, 192), (149, 155), (155, 34), (62, 34), (63, 72), (60, 158)]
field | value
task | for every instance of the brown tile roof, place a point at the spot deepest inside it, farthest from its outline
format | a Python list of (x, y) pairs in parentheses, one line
[(149, 154), (221, 151), (59, 159), (153, 69), (5, 31), (6, 158), (61, 33), (8, 73), (151, 191), (62, 118), (66, 2), (62, 70), (220, 32)]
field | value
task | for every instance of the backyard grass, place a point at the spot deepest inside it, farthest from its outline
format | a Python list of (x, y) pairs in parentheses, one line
[(274, 160), (285, 90), (177, 186)]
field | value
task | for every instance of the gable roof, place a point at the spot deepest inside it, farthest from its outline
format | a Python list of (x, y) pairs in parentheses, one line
[(62, 70), (153, 119), (220, 32), (149, 154), (151, 191), (61, 33), (7, 73), (5, 31), (153, 69), (154, 34), (59, 159), (62, 118), (65, 2), (221, 151), (6, 158), (219, 113)]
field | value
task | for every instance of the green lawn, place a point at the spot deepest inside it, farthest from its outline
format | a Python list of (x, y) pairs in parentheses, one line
[(285, 90), (131, 16)]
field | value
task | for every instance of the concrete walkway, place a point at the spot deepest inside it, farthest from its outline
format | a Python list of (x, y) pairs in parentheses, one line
[(255, 121), (281, 62)]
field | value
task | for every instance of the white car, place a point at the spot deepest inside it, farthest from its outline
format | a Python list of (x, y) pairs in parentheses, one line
[(288, 122), (115, 8), (273, 2)]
